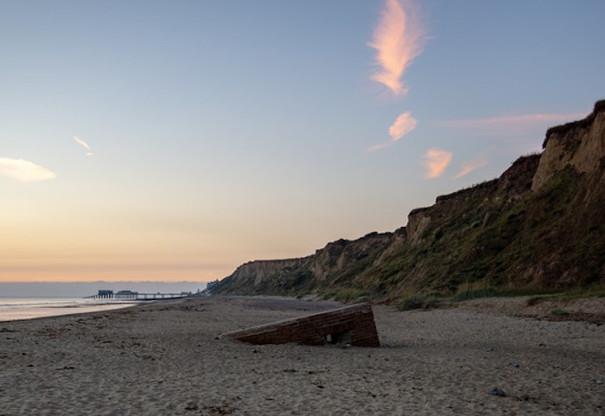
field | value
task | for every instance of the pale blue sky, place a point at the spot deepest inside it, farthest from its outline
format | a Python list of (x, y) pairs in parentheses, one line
[(228, 131)]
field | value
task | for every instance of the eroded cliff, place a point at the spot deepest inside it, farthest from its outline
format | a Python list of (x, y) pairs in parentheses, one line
[(539, 225)]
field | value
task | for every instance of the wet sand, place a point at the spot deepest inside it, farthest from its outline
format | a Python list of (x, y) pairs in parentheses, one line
[(42, 309), (164, 359)]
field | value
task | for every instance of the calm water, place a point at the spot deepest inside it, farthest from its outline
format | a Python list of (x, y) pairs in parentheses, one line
[(35, 300), (27, 308)]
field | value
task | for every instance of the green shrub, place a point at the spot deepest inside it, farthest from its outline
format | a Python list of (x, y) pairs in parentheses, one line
[(328, 295), (417, 302), (475, 294), (468, 291), (559, 312), (534, 300), (346, 295)]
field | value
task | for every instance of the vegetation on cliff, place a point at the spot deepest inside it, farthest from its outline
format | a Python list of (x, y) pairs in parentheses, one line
[(538, 227)]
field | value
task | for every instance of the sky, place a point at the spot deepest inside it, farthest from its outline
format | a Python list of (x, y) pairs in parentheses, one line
[(175, 140)]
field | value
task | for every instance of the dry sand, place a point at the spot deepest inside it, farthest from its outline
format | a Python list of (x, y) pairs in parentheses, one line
[(164, 359)]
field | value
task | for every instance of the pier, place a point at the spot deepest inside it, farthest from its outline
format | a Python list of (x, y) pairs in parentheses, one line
[(159, 296), (137, 296)]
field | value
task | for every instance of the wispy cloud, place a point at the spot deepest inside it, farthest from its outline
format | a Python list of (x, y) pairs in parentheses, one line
[(520, 120), (469, 167), (398, 39), (24, 170), (403, 124), (85, 145), (436, 161), (377, 147)]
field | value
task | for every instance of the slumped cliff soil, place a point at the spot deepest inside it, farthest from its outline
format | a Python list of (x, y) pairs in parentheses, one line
[(164, 359)]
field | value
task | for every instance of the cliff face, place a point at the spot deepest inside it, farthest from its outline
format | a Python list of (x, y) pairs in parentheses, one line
[(541, 224), (579, 145)]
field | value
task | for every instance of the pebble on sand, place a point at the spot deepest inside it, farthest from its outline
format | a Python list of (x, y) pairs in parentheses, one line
[(497, 392)]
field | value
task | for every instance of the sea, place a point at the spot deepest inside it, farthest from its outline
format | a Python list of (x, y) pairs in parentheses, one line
[(44, 299)]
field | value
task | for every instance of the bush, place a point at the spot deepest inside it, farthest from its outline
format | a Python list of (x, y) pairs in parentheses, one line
[(346, 295), (475, 294), (417, 302), (328, 295), (482, 289), (535, 300), (559, 312)]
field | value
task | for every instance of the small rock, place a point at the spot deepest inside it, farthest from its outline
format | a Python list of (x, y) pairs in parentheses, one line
[(525, 398), (497, 392), (191, 406)]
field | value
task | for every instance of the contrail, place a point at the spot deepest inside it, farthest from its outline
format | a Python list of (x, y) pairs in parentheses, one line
[(84, 145)]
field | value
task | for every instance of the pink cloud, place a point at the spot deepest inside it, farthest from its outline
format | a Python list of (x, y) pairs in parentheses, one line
[(377, 147), (435, 162), (403, 124), (398, 39), (469, 167), (522, 120)]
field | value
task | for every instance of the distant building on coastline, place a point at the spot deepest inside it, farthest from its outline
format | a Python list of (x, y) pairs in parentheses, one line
[(105, 294), (121, 295)]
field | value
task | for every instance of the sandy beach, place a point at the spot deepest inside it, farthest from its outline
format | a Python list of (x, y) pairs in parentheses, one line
[(165, 359)]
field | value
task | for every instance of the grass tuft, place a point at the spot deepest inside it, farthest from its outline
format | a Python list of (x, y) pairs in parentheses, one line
[(346, 295), (417, 301), (559, 312)]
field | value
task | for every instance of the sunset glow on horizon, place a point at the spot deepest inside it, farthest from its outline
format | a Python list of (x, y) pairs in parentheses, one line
[(176, 141)]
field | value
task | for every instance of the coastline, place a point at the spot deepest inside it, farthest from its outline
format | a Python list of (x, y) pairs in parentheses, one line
[(164, 358), (40, 308)]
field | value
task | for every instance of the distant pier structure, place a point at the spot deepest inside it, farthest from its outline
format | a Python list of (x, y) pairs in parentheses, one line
[(132, 295), (105, 294)]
